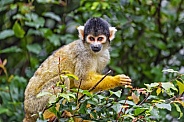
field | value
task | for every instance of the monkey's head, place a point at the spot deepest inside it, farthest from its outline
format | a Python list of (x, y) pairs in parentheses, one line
[(97, 33)]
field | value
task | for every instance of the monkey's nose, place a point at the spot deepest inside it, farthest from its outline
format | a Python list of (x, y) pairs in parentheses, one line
[(96, 48)]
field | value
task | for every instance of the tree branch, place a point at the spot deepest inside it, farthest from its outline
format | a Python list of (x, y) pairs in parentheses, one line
[(92, 88)]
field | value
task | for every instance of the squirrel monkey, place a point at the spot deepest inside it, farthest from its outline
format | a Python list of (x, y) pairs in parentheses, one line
[(85, 58)]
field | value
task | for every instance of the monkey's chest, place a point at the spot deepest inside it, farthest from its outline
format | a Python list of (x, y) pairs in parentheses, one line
[(98, 64)]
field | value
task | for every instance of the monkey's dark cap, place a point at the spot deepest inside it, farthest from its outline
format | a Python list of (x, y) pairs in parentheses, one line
[(97, 26)]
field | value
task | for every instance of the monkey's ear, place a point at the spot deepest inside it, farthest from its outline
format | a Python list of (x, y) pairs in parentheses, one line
[(81, 32), (112, 33)]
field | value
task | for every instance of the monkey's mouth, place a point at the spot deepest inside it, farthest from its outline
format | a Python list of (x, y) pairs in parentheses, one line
[(96, 50)]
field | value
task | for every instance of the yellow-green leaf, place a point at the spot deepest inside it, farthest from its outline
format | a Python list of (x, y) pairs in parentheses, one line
[(178, 110), (158, 91), (181, 87), (18, 30), (72, 76)]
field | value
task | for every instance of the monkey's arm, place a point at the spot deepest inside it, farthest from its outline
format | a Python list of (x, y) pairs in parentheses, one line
[(107, 83)]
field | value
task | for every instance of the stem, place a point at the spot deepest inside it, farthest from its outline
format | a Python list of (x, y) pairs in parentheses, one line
[(92, 88)]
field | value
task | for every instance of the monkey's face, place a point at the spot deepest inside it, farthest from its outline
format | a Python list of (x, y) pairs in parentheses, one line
[(96, 42), (96, 34)]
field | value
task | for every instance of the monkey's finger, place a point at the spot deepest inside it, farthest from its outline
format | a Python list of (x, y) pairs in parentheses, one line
[(128, 86), (125, 78), (125, 83)]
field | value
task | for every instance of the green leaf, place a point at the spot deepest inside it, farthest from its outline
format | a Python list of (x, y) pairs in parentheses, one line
[(18, 30), (54, 39), (34, 48), (154, 112), (181, 87), (64, 95), (95, 5), (43, 94), (127, 102), (83, 108), (117, 107), (117, 93), (152, 85), (34, 20), (52, 15), (168, 86), (52, 99), (6, 33), (138, 111), (3, 110), (37, 23), (128, 116), (163, 106), (169, 70), (53, 110), (49, 1), (72, 76), (13, 49), (161, 45), (86, 92), (178, 110)]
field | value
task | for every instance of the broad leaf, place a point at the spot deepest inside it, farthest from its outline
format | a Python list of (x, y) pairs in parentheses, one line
[(6, 33), (34, 48), (13, 49), (163, 106), (168, 86), (52, 15), (138, 111)]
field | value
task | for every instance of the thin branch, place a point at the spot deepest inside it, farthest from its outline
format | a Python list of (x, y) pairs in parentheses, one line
[(92, 88), (144, 99), (77, 101)]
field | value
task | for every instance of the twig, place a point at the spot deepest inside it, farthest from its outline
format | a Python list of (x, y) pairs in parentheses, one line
[(92, 88), (144, 99), (77, 101)]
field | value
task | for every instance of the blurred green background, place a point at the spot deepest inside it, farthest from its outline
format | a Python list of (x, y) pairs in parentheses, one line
[(150, 38)]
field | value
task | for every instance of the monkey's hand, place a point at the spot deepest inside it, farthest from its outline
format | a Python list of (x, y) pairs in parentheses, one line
[(125, 81)]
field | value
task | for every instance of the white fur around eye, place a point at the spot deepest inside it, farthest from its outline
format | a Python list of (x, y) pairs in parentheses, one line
[(112, 33)]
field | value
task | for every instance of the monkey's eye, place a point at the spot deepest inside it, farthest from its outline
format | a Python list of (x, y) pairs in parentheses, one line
[(100, 38), (91, 38)]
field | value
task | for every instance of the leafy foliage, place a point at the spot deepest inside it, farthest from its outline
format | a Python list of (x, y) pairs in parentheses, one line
[(150, 38), (113, 106)]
